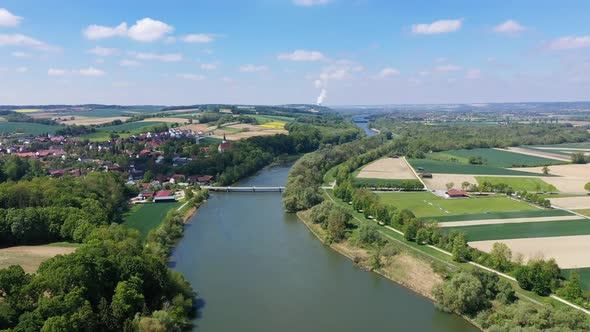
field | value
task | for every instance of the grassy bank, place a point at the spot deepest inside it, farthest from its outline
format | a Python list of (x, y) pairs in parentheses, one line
[(145, 217)]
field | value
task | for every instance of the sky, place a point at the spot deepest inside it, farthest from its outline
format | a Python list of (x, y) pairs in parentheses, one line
[(337, 52)]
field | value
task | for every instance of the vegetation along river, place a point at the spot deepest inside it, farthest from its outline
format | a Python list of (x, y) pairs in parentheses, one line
[(256, 268)]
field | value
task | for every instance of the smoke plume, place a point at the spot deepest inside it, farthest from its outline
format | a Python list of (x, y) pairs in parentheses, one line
[(322, 96)]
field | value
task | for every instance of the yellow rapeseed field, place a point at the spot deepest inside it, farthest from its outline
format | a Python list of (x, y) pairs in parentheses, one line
[(27, 110), (274, 125)]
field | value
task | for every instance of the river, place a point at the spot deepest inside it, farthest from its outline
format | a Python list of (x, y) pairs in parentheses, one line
[(257, 268)]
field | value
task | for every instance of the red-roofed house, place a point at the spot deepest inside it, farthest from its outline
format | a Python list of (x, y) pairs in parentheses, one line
[(164, 196), (453, 193), (224, 145)]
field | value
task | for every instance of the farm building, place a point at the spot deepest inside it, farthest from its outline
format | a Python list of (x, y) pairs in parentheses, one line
[(453, 193), (164, 196), (145, 195)]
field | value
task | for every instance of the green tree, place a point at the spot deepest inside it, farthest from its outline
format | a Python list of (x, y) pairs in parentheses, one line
[(460, 249), (368, 233), (128, 299), (572, 289), (337, 223), (546, 170), (462, 294), (500, 257), (578, 158), (587, 186)]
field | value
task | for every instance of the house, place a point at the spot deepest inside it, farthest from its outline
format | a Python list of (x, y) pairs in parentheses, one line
[(57, 173), (145, 194), (454, 193), (204, 179), (224, 145), (176, 178), (164, 196)]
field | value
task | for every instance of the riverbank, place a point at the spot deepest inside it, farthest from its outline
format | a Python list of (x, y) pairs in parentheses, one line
[(402, 268)]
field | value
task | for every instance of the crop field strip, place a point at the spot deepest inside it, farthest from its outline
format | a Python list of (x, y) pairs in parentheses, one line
[(435, 166), (507, 221), (498, 157), (525, 230), (518, 183), (425, 204), (584, 276), (500, 215), (27, 128)]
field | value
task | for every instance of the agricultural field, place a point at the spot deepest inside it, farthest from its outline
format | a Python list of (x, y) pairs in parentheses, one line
[(262, 119), (27, 110), (425, 204), (274, 125), (503, 215), (569, 252), (87, 121), (436, 166), (387, 168), (572, 203), (584, 276), (167, 120), (525, 230), (493, 157), (518, 183), (26, 128), (245, 130), (112, 112), (569, 178), (145, 217), (30, 257)]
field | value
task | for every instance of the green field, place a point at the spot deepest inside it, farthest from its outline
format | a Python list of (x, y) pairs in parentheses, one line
[(27, 128), (123, 130), (525, 230), (145, 217), (387, 183), (503, 215), (584, 277), (425, 204), (271, 118), (436, 166), (493, 157), (528, 184), (111, 112)]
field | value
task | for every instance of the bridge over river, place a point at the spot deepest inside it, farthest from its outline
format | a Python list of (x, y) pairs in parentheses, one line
[(252, 189)]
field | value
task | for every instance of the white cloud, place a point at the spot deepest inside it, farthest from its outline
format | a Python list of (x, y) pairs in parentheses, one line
[(164, 57), (7, 19), (25, 41), (473, 74), (570, 43), (208, 66), (90, 71), (102, 51), (441, 60), (22, 69), (387, 72), (250, 68), (21, 55), (509, 27), (200, 38), (56, 72), (424, 73), (310, 3), (129, 63), (94, 32), (437, 27), (144, 30), (170, 40), (448, 68), (99, 61), (302, 55), (192, 77), (147, 30)]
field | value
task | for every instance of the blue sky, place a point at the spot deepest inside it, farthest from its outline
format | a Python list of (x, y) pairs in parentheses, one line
[(293, 51)]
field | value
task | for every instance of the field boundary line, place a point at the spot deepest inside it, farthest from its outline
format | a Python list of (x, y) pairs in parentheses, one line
[(414, 171)]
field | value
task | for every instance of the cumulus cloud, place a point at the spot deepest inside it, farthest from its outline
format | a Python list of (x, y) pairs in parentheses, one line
[(192, 77), (473, 74), (94, 32), (208, 66), (102, 51), (164, 57), (570, 43), (7, 19), (147, 30), (303, 55), (310, 3), (387, 72), (18, 39), (129, 63), (509, 27), (448, 68), (200, 38), (56, 72), (90, 71), (250, 68), (144, 30), (437, 27), (22, 69)]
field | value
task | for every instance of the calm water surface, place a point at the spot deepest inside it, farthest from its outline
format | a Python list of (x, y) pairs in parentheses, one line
[(256, 268)]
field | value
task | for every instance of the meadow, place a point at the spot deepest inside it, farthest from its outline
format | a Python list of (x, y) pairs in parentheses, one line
[(262, 119), (493, 157), (123, 130), (525, 230), (112, 112), (436, 166), (26, 128), (584, 277), (425, 204), (145, 217), (518, 184)]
